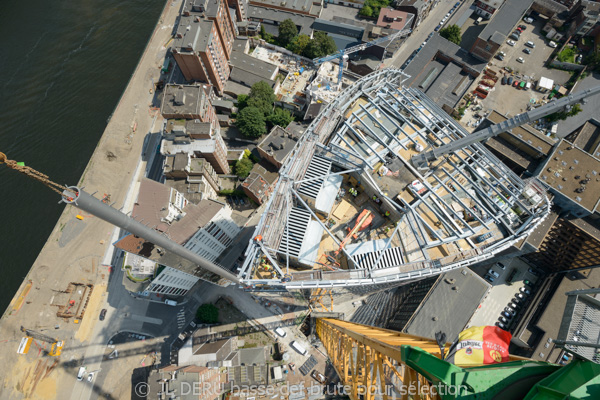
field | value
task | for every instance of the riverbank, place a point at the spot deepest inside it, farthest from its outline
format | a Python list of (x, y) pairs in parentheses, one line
[(75, 249)]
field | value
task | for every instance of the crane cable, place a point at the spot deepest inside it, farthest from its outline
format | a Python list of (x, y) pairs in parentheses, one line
[(22, 168)]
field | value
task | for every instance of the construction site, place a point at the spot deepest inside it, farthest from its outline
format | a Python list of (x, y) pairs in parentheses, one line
[(353, 209)]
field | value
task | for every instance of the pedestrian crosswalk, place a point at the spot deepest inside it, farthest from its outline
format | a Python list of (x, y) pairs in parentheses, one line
[(181, 318)]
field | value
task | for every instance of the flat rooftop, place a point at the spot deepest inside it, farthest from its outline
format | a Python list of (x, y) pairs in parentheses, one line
[(573, 173), (460, 289), (184, 100), (504, 19), (403, 223)]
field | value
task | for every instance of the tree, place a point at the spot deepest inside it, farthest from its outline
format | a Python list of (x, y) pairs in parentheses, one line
[(299, 43), (280, 117), (452, 33), (366, 11), (262, 97), (208, 314), (262, 90), (251, 122), (243, 167), (562, 115), (320, 46), (242, 101), (287, 32), (266, 36)]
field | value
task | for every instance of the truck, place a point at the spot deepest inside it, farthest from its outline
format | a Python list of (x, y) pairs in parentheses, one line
[(298, 347)]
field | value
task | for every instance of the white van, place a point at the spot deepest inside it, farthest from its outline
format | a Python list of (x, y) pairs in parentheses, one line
[(298, 348), (478, 21), (81, 373), (280, 332), (170, 302)]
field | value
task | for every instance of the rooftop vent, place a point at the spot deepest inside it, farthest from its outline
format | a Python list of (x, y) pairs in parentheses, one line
[(578, 199)]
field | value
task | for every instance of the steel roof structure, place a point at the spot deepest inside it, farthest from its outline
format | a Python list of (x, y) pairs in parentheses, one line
[(465, 208)]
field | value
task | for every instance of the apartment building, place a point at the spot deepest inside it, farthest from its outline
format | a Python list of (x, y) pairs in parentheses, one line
[(199, 50), (206, 228), (202, 139)]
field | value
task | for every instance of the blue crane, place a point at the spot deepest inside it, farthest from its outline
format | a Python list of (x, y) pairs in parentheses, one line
[(343, 54)]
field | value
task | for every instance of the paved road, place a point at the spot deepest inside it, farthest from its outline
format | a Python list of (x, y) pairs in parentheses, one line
[(423, 30)]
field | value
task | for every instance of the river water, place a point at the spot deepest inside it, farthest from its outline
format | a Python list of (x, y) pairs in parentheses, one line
[(64, 65)]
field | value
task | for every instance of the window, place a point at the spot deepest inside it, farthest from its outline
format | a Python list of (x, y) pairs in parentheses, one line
[(488, 47)]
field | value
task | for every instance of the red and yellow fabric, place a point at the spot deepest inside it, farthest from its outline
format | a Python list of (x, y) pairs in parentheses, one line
[(482, 345)]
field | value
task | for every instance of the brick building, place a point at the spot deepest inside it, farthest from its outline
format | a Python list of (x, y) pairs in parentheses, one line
[(189, 102), (217, 11), (259, 184), (497, 30), (486, 8), (200, 48)]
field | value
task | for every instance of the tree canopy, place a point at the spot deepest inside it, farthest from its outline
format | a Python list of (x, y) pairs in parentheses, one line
[(262, 97), (562, 115), (371, 8), (280, 117), (243, 167), (452, 33), (298, 44), (251, 122), (321, 45), (287, 32), (208, 313), (242, 101)]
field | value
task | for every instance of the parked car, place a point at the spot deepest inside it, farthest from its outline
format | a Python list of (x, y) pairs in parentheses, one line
[(523, 27), (552, 44), (527, 51), (506, 314), (579, 58), (503, 320), (457, 4), (437, 28), (525, 291), (529, 20), (103, 314), (280, 332), (510, 311), (513, 305), (516, 83), (489, 278), (529, 43), (521, 60), (515, 35), (501, 266), (516, 301), (493, 273), (520, 296), (501, 326), (510, 80), (533, 271), (510, 42), (500, 56), (504, 79)]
